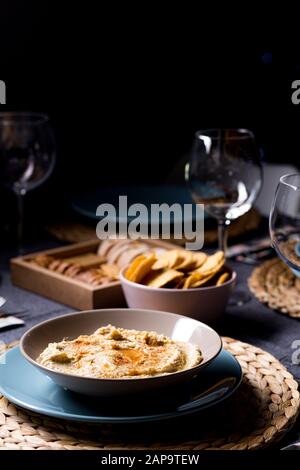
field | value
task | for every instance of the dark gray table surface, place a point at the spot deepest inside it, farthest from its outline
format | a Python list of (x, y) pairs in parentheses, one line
[(252, 322)]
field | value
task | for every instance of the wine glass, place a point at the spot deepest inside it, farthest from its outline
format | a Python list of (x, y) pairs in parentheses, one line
[(27, 155), (225, 174), (284, 221)]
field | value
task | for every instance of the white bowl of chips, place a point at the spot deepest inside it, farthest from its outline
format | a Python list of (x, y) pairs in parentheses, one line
[(191, 284)]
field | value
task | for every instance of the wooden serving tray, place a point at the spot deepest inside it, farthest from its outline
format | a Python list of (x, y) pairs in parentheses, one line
[(67, 290)]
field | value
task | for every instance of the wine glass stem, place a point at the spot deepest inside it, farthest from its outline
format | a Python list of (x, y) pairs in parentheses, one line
[(222, 235), (20, 222)]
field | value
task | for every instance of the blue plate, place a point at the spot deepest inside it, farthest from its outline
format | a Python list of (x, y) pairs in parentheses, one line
[(24, 385), (86, 203)]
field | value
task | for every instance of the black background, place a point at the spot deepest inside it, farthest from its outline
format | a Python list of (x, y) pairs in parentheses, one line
[(127, 87)]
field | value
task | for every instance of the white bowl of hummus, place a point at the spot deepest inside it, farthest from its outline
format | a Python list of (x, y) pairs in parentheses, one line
[(114, 352)]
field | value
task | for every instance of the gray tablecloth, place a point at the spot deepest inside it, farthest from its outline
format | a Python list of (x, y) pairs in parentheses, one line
[(252, 322)]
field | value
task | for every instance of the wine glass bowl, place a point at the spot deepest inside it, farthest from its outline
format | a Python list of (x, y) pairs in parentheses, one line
[(27, 154), (284, 221), (225, 174), (27, 150)]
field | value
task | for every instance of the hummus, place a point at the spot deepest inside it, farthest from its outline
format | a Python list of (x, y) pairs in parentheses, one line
[(115, 353)]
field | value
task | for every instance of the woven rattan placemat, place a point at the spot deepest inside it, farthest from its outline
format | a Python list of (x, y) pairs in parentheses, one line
[(274, 283), (70, 231), (260, 412)]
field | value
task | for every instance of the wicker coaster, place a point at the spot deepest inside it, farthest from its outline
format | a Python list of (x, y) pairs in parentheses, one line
[(261, 411), (274, 283)]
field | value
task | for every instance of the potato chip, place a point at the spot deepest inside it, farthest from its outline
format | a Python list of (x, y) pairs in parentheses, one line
[(167, 260), (140, 267), (160, 279), (199, 259), (202, 281), (223, 278), (212, 264), (185, 261), (133, 266), (194, 277)]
